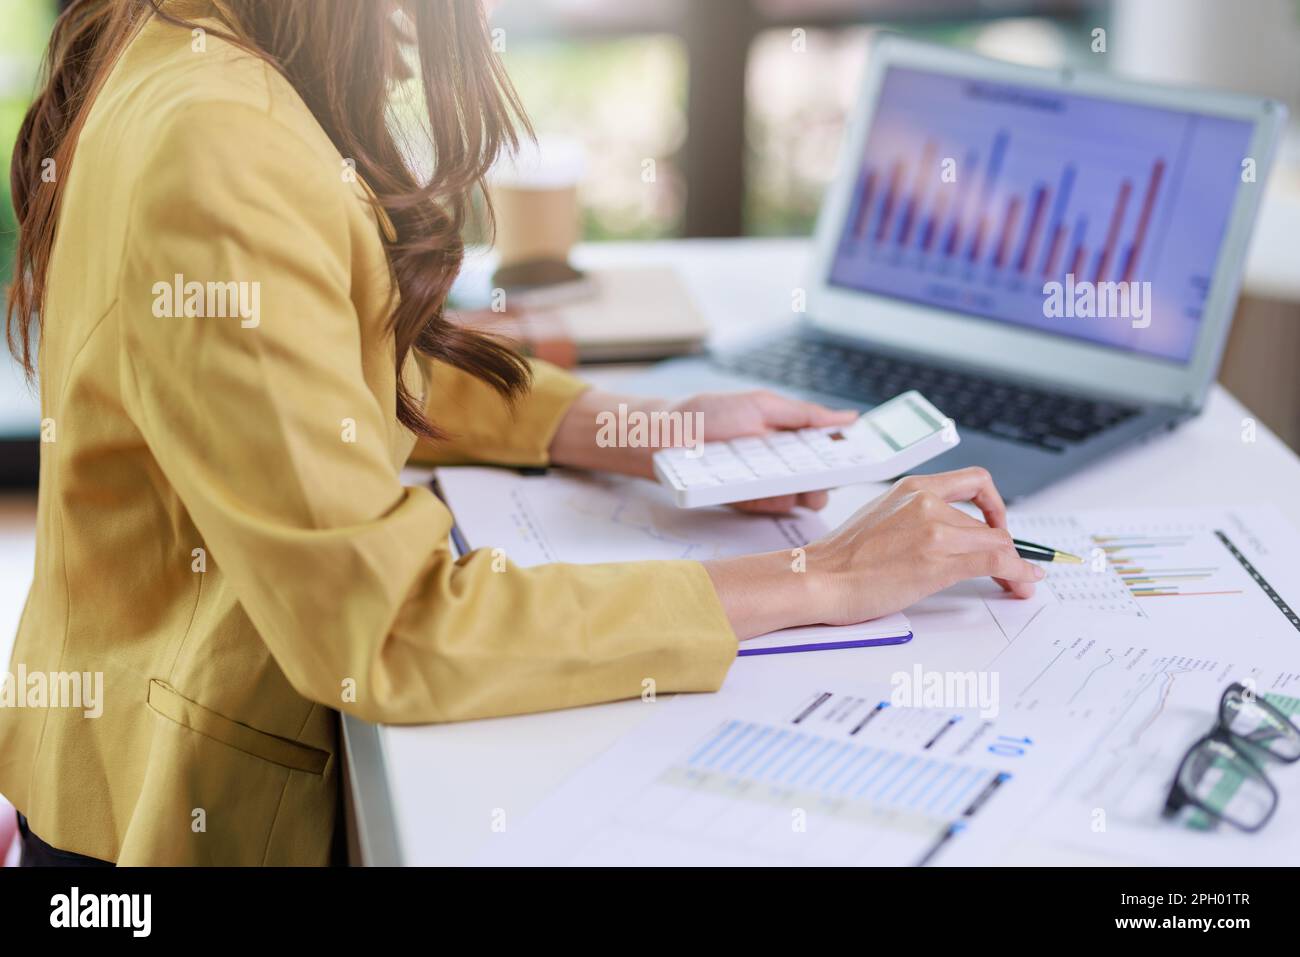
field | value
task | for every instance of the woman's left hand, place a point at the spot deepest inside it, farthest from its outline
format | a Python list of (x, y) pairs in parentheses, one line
[(730, 415), (583, 439)]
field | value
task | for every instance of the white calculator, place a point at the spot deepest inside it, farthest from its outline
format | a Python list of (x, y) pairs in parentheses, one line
[(892, 438)]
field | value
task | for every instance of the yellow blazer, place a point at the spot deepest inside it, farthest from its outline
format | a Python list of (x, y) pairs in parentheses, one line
[(222, 531)]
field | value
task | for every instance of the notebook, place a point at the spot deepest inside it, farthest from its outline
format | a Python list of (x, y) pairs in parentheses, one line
[(582, 518), (628, 314)]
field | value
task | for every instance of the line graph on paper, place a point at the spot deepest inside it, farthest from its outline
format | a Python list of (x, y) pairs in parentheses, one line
[(1078, 672), (1166, 706), (1110, 796), (1138, 703), (1094, 669)]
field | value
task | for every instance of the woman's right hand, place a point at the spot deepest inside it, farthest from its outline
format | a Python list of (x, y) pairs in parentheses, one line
[(907, 544), (911, 542)]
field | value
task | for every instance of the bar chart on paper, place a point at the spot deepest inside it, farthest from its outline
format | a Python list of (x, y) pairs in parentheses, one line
[(839, 779), (894, 802), (1197, 570), (1126, 568)]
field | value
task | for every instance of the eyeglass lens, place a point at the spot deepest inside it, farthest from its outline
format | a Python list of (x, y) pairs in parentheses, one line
[(1249, 718), (1226, 783)]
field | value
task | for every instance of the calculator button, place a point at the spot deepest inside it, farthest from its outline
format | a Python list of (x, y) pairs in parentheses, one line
[(770, 469), (698, 481), (734, 473)]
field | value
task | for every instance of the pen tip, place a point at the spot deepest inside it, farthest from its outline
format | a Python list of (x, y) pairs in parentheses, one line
[(1067, 558)]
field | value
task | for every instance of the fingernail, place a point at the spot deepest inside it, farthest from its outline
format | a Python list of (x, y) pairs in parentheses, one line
[(1039, 574)]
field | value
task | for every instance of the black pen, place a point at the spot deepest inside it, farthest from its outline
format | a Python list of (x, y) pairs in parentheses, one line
[(1041, 553)]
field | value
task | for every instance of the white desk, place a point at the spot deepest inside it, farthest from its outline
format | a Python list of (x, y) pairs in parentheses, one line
[(441, 783), (425, 795)]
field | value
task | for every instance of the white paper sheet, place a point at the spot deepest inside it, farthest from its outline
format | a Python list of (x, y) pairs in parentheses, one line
[(582, 519), (1107, 676), (578, 517), (1128, 659), (769, 774)]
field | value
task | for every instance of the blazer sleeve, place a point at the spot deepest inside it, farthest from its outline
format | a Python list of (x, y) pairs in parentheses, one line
[(344, 572), (482, 428)]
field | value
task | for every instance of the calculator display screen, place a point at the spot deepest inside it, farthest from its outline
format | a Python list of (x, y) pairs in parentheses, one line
[(902, 423)]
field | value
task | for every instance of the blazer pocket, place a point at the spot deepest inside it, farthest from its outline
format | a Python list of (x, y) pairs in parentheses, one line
[(171, 704)]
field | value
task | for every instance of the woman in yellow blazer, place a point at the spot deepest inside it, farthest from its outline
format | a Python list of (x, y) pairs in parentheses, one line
[(239, 291)]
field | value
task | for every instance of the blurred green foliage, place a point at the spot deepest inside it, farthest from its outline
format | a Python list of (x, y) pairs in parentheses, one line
[(624, 99), (24, 29)]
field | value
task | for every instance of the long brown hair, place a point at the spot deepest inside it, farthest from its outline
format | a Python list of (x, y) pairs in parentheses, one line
[(342, 57)]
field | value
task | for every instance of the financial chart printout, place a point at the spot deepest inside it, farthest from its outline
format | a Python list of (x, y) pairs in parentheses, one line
[(971, 196)]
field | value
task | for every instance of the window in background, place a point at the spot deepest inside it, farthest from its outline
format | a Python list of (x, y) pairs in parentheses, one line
[(22, 43), (798, 97), (797, 101), (624, 100)]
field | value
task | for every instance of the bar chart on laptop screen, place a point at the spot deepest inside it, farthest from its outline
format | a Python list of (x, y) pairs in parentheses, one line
[(973, 196)]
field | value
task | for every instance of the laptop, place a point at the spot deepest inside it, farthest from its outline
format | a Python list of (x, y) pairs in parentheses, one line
[(1051, 257)]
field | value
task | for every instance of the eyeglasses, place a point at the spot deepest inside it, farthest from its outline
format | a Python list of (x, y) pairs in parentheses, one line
[(1221, 774)]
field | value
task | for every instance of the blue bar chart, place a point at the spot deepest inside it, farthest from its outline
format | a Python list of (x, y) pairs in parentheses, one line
[(830, 777), (882, 784), (855, 779)]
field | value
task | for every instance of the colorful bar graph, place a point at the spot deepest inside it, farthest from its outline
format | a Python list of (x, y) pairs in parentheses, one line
[(932, 224), (977, 241), (889, 201), (1009, 219), (953, 237), (901, 209), (865, 196), (986, 194), (1139, 561), (1076, 258), (1031, 232), (1053, 251), (1107, 252), (1144, 220), (1056, 229), (924, 174)]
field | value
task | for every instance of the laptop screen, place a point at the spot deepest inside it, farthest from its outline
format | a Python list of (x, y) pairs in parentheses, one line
[(1068, 214)]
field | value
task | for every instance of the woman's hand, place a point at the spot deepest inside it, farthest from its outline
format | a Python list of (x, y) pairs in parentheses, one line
[(911, 542), (731, 415), (905, 545), (583, 437)]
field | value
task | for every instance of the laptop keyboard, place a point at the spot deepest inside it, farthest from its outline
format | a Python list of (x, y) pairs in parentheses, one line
[(1047, 420)]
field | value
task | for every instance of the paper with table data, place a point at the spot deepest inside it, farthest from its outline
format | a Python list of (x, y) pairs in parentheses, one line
[(765, 773), (1102, 680), (582, 518)]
